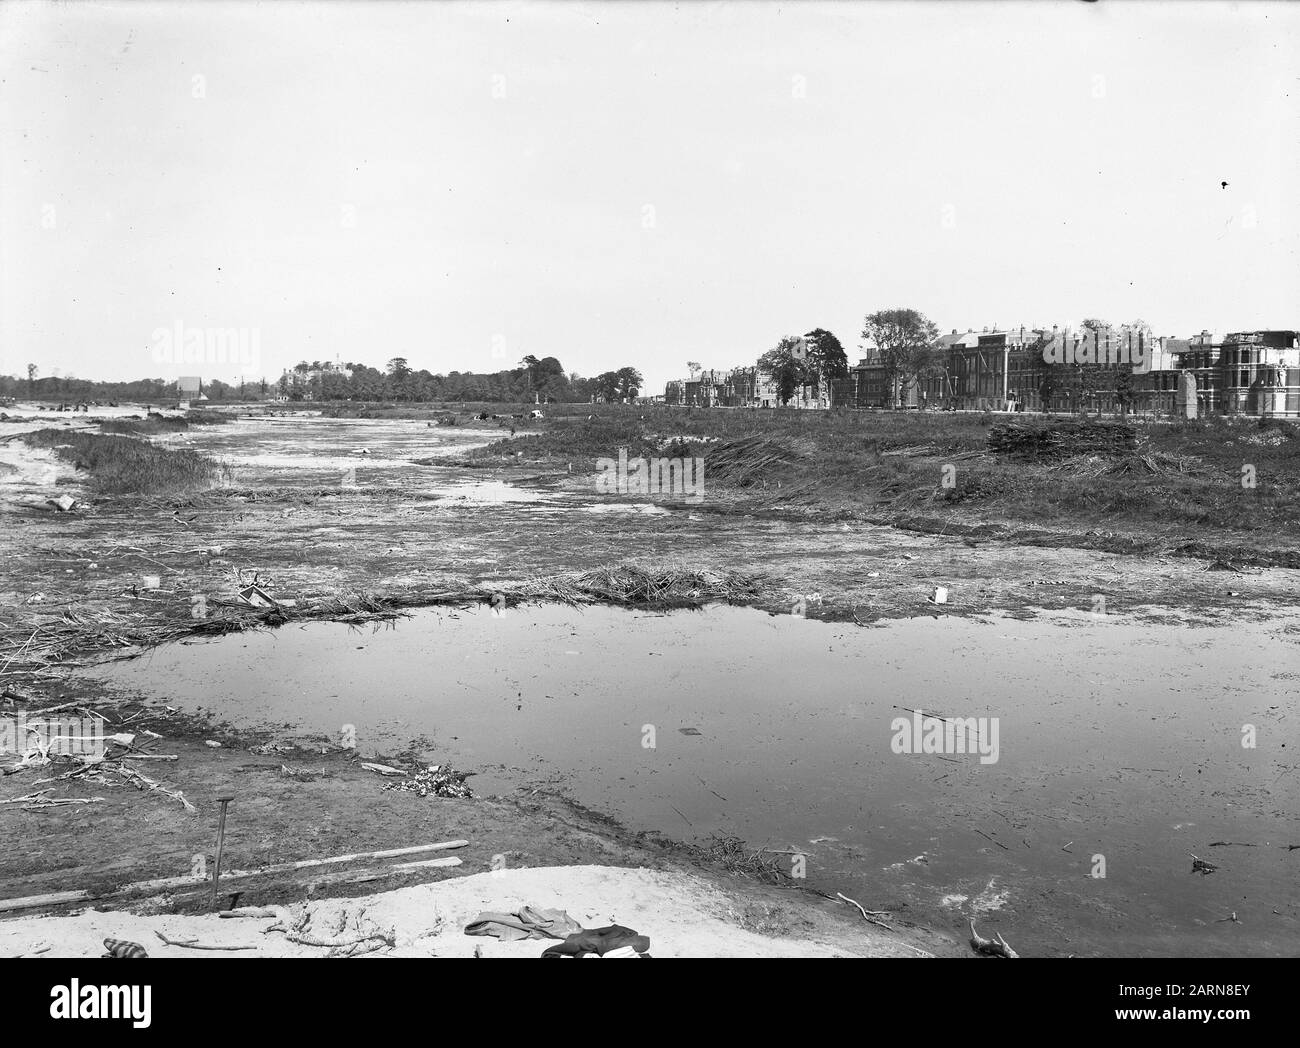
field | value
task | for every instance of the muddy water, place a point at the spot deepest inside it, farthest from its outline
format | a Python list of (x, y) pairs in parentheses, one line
[(327, 451), (1119, 750)]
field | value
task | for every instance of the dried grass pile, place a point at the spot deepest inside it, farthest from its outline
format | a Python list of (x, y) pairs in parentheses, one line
[(733, 855), (751, 459), (1063, 438), (664, 586)]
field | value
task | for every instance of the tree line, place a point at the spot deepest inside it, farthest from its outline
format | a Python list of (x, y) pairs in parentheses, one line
[(906, 343), (534, 379)]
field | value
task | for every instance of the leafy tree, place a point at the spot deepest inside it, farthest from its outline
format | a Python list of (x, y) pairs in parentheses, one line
[(827, 355), (629, 383), (786, 366), (605, 386), (1124, 388), (906, 342)]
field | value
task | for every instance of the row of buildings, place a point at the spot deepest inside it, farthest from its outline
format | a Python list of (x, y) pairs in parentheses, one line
[(744, 387), (1106, 369)]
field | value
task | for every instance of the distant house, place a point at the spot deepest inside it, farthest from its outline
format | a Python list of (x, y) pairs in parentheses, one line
[(304, 375)]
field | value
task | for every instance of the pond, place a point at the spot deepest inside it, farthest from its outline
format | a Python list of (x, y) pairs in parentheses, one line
[(1122, 749)]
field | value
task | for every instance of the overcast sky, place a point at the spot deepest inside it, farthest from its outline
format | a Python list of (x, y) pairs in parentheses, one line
[(632, 183)]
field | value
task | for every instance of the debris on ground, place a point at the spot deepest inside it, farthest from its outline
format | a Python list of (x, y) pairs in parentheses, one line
[(382, 769), (265, 748), (1202, 867), (122, 948), (91, 767), (352, 934), (256, 597), (990, 947), (614, 940), (524, 923), (438, 780)]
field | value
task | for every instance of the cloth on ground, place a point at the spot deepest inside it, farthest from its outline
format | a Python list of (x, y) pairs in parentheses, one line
[(526, 923), (600, 942)]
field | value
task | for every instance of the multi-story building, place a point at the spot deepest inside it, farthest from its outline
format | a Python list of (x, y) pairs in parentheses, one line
[(1101, 369), (1107, 369), (1244, 372), (743, 387)]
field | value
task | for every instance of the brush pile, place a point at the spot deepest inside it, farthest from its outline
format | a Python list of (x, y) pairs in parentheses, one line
[(734, 855), (662, 587), (437, 780), (749, 460), (1060, 439)]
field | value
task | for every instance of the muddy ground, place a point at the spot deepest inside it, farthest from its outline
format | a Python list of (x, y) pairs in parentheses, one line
[(312, 519)]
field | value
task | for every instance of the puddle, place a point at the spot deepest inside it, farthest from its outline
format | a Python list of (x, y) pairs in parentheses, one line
[(1119, 743), (647, 508), (484, 492), (326, 449)]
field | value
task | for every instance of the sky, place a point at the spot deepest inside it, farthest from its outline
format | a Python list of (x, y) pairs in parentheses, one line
[(637, 184)]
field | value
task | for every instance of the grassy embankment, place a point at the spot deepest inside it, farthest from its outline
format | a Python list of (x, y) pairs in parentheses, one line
[(125, 465)]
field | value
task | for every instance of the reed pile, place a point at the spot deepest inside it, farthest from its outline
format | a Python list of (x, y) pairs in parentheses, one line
[(1059, 439)]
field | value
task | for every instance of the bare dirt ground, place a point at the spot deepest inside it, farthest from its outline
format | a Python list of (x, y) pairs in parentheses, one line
[(313, 520)]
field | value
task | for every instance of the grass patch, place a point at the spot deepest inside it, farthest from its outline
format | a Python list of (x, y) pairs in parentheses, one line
[(122, 465), (1161, 476), (155, 423), (143, 427)]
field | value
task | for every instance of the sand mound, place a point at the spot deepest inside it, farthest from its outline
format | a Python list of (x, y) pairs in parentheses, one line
[(683, 915)]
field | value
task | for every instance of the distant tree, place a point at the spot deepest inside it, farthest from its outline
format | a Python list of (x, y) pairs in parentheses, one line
[(629, 383), (528, 365), (1124, 388), (32, 372), (398, 368), (581, 389), (786, 366), (906, 341), (1089, 374), (605, 386), (827, 355), (693, 366)]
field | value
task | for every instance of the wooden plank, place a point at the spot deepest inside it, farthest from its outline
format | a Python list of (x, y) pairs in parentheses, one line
[(168, 883)]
